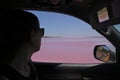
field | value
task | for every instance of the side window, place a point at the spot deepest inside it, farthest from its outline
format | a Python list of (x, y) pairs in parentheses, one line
[(67, 39)]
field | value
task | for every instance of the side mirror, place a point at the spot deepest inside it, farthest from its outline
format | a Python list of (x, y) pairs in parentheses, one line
[(104, 53)]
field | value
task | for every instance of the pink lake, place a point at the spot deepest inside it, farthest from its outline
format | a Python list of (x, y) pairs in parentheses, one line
[(69, 50)]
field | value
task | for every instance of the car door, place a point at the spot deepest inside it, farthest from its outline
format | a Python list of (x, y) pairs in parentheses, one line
[(67, 47)]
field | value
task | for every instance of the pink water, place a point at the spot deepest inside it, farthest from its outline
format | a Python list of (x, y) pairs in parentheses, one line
[(68, 50)]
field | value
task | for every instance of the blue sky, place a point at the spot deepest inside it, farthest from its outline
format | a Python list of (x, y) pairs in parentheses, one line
[(62, 25)]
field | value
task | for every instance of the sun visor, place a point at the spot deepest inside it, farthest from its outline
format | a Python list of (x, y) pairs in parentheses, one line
[(105, 14)]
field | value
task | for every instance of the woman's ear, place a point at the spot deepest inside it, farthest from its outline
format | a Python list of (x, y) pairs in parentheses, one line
[(32, 37), (35, 40)]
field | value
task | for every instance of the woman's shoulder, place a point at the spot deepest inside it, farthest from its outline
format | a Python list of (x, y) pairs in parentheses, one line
[(9, 73), (2, 77)]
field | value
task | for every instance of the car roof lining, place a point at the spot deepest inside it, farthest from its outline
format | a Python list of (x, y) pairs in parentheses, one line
[(76, 8)]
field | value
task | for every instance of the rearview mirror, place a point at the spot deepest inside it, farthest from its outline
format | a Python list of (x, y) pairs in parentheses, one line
[(104, 53)]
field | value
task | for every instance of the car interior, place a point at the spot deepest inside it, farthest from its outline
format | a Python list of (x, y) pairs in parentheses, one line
[(102, 15)]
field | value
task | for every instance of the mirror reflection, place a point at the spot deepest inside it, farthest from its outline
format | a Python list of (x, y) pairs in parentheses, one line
[(102, 53)]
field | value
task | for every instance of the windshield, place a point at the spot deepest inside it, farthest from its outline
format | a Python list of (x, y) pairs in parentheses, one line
[(67, 39)]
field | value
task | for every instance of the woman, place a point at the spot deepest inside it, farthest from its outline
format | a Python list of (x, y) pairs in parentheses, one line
[(20, 37)]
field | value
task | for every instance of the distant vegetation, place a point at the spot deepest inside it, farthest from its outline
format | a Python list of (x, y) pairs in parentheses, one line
[(51, 37), (78, 37)]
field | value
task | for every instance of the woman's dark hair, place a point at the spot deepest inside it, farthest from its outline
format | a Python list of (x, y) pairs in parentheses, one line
[(15, 27)]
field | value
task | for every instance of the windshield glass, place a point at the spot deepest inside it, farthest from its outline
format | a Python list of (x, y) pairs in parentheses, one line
[(67, 39)]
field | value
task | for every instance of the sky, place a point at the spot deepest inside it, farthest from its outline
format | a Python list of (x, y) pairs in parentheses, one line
[(61, 25)]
